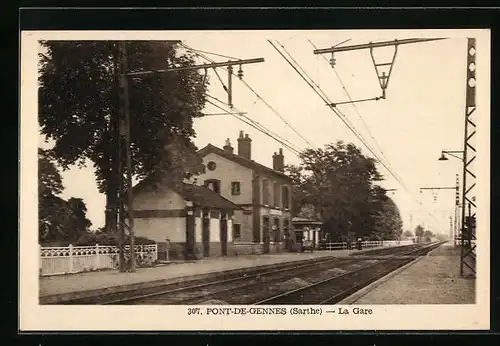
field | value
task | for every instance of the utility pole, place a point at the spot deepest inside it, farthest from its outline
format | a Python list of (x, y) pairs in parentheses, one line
[(468, 232), (125, 193), (125, 196), (383, 76)]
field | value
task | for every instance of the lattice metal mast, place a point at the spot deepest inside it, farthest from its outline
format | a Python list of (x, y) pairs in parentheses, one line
[(125, 169), (468, 236)]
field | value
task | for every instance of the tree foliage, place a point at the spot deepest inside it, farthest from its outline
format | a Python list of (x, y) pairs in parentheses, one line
[(428, 235), (338, 184), (59, 220), (408, 234), (49, 178), (419, 231), (79, 99), (387, 221)]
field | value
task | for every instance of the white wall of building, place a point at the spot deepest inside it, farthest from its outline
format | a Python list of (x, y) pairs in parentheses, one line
[(229, 230), (228, 171), (214, 230), (158, 229), (150, 199), (246, 222), (198, 229)]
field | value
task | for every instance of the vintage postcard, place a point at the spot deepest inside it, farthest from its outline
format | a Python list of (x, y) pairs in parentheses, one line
[(255, 180)]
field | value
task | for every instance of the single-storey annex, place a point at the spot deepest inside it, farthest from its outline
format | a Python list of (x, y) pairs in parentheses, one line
[(190, 221)]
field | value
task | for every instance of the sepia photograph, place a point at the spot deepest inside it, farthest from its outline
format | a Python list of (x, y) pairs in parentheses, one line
[(240, 180)]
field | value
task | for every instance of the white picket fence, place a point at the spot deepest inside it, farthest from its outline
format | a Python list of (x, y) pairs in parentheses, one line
[(76, 259), (367, 244)]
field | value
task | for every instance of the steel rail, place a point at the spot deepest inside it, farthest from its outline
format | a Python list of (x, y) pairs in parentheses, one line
[(248, 287), (301, 291), (255, 272)]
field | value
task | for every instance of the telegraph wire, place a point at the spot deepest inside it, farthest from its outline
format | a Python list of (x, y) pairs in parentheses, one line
[(259, 125), (196, 51), (347, 123), (327, 101), (342, 115), (217, 99), (263, 129), (279, 115), (258, 128)]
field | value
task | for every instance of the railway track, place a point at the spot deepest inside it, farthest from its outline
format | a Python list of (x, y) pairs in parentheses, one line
[(248, 286), (258, 283), (332, 290), (188, 292), (243, 291)]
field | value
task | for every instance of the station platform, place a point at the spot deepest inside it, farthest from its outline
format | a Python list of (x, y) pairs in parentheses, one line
[(64, 287), (431, 279)]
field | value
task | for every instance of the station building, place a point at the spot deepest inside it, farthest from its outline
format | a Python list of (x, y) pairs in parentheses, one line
[(262, 194), (190, 221)]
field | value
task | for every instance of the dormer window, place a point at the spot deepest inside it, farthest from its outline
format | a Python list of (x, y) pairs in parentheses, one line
[(213, 184)]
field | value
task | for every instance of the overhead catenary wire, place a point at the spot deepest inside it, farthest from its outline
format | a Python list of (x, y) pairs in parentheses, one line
[(198, 52), (258, 127), (256, 123), (323, 96), (265, 130), (354, 105), (344, 119)]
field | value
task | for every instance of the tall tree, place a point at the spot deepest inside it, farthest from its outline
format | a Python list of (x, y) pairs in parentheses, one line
[(388, 224), (338, 182), (78, 105)]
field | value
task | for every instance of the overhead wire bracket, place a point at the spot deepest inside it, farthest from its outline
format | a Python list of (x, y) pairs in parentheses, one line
[(383, 78)]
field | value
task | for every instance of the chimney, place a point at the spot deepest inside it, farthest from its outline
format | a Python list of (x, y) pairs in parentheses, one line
[(279, 161), (227, 147), (244, 146)]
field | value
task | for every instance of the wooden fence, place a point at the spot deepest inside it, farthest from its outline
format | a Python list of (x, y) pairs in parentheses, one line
[(76, 259)]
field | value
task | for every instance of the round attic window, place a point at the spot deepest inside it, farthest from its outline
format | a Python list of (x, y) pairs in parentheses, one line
[(211, 166)]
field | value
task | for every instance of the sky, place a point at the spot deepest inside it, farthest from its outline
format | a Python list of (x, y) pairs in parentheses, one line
[(422, 114)]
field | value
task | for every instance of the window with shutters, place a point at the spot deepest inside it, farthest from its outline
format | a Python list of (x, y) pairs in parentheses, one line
[(265, 192), (235, 188), (285, 195), (276, 194)]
